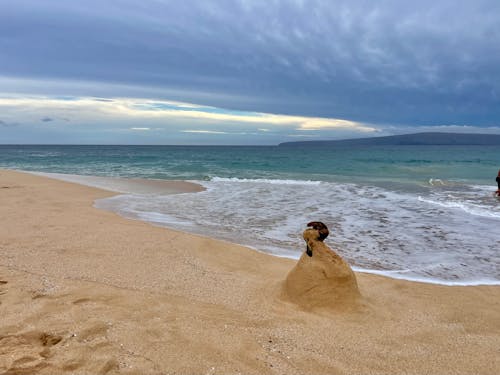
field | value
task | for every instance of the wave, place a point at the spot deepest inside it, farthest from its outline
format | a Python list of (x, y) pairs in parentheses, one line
[(265, 181), (49, 154), (436, 181), (402, 275), (469, 208)]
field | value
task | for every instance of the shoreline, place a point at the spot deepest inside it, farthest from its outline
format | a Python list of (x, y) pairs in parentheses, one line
[(123, 185), (141, 186), (87, 291)]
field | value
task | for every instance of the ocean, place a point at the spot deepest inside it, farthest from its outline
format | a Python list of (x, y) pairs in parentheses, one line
[(423, 213)]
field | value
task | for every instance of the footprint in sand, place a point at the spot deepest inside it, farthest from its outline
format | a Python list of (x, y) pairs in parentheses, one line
[(27, 352), (2, 291)]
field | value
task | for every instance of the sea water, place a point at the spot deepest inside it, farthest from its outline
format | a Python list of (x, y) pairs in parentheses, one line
[(424, 213)]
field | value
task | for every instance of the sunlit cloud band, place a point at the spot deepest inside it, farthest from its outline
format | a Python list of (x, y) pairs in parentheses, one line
[(148, 109)]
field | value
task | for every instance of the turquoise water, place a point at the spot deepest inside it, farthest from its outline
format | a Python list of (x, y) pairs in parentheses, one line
[(476, 164), (416, 212)]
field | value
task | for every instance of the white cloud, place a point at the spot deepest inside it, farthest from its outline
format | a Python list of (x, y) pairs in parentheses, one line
[(203, 131), (322, 123)]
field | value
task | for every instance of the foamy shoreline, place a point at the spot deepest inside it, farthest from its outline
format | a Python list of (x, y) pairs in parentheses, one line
[(167, 187), (86, 291)]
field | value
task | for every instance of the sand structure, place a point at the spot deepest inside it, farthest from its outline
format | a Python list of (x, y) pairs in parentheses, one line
[(321, 278)]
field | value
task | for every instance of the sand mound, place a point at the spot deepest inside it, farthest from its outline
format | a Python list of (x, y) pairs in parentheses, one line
[(321, 278)]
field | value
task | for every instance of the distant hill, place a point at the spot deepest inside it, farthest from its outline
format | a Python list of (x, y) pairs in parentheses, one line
[(408, 139)]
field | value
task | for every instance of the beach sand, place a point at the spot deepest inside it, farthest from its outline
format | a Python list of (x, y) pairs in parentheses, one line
[(85, 291)]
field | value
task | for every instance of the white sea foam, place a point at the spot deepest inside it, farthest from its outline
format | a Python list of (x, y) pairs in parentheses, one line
[(155, 217), (404, 275), (377, 230), (265, 181), (436, 181), (470, 208)]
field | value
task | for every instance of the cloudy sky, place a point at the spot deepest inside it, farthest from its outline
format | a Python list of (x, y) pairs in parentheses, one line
[(245, 72)]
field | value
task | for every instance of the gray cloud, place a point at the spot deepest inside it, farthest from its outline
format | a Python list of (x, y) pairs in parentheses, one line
[(8, 124), (388, 62), (46, 119)]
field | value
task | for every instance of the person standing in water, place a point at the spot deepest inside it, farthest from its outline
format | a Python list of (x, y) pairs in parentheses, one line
[(498, 183)]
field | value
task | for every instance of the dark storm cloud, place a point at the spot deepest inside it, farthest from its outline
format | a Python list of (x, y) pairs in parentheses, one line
[(419, 63)]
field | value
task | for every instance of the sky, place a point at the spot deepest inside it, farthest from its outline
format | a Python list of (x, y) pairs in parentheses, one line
[(245, 71)]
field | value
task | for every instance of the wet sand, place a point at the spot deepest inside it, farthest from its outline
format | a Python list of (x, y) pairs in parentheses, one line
[(128, 185), (84, 291)]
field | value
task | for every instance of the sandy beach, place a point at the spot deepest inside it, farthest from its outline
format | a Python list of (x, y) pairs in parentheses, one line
[(85, 291)]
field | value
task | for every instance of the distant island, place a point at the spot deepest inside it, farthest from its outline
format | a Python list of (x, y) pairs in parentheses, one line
[(408, 139)]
